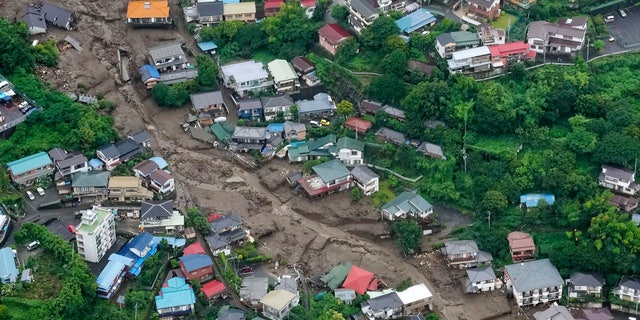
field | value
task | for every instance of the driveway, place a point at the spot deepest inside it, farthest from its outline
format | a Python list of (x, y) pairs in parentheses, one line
[(442, 11), (624, 30)]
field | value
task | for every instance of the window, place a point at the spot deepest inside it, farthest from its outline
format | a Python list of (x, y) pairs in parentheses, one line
[(354, 152)]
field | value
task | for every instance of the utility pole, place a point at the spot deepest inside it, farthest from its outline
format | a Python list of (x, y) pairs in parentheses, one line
[(588, 45), (136, 313), (489, 218)]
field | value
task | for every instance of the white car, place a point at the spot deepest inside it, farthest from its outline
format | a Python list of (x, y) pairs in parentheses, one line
[(40, 191), (30, 195)]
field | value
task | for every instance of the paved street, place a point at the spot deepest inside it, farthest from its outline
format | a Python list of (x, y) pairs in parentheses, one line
[(624, 30)]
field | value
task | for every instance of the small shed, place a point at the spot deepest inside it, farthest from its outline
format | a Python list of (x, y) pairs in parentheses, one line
[(531, 200), (208, 47)]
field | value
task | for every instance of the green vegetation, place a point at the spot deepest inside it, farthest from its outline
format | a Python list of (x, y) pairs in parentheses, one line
[(175, 95), (198, 221), (328, 307), (503, 21), (408, 234), (46, 53)]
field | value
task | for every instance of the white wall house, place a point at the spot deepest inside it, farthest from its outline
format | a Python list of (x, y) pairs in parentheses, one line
[(365, 179), (350, 151), (533, 282), (95, 234)]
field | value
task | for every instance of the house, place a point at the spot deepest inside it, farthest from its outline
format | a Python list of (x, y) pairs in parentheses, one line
[(294, 131), (30, 168), (245, 77), (503, 55), (176, 299), (360, 280), (285, 78), (179, 75), (68, 163), (208, 47), (531, 200), (228, 313), (252, 290), (480, 279), (415, 299), (362, 13), (272, 7), (431, 150), (8, 269), (190, 13), (95, 234), (167, 57), (406, 204), (336, 275), (225, 231), (358, 124), (127, 189), (533, 282), (160, 216), (483, 9), (162, 182), (197, 267), (628, 289), (250, 138), (149, 76), (395, 113), (302, 65), (585, 284), (626, 204), (470, 60), (450, 42), (321, 106), (387, 135), (114, 154), (420, 67), (416, 21), (323, 147), (194, 248), (277, 304), (331, 176), (309, 6), (209, 102), (464, 254), (331, 36), (566, 36), (33, 17), (555, 312), (243, 11), (521, 246), (144, 169), (96, 164), (149, 13), (26, 275), (619, 180), (210, 13), (525, 4), (350, 151), (213, 289), (218, 244), (128, 149), (90, 185), (274, 106), (365, 179), (141, 137), (597, 314), (370, 107), (489, 35), (58, 16), (387, 306), (250, 109), (345, 295)]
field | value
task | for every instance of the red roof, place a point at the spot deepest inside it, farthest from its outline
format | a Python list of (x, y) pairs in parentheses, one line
[(359, 280), (273, 4), (194, 248), (213, 216), (212, 288), (333, 33), (503, 50), (358, 124), (308, 3)]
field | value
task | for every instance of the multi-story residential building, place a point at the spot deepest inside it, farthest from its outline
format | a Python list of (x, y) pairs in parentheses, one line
[(554, 312), (246, 77), (285, 78), (210, 13), (127, 189), (90, 186), (566, 36), (331, 36), (362, 13), (143, 169), (68, 163), (58, 16), (197, 267), (415, 299), (160, 216), (470, 60), (250, 109), (503, 55), (162, 182), (619, 180), (209, 102), (176, 299), (406, 204), (243, 11), (533, 282), (321, 106), (273, 106), (250, 138), (484, 9), (149, 13), (628, 289), (525, 4), (365, 179), (167, 57), (521, 246), (8, 270), (95, 234), (331, 176), (114, 154), (388, 135), (489, 35), (585, 284), (277, 304), (27, 169), (386, 306), (350, 151), (480, 279), (464, 254)]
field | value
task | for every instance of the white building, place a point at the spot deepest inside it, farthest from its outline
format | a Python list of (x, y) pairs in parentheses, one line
[(365, 179), (350, 151), (245, 77), (415, 299), (481, 279), (566, 36), (277, 304), (95, 234), (533, 282), (470, 60)]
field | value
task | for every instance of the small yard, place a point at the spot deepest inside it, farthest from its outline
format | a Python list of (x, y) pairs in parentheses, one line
[(504, 21), (264, 56), (46, 279), (502, 145), (20, 308), (366, 61)]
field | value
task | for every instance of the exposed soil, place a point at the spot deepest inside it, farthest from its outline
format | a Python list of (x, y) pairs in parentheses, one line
[(314, 234)]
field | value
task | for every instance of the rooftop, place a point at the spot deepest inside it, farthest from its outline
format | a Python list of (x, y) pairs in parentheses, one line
[(589, 279), (481, 274), (460, 247), (415, 293), (212, 288), (407, 202), (8, 269), (360, 280), (194, 262), (555, 312), (205, 99), (532, 275), (244, 71), (123, 182), (531, 200), (470, 53), (363, 174), (520, 240), (281, 70), (92, 218), (415, 20), (29, 163), (350, 143), (148, 9), (175, 293), (239, 8), (358, 124), (333, 32), (156, 209), (277, 299), (331, 170), (90, 179)]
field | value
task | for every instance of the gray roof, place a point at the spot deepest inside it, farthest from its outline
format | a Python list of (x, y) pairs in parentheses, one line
[(249, 104), (632, 282), (481, 274), (34, 17), (575, 22), (532, 275), (363, 174), (165, 51), (290, 126), (57, 16), (146, 167), (483, 3), (127, 149), (541, 29), (431, 149), (156, 209), (70, 161), (395, 136), (109, 151), (445, 38), (277, 101), (620, 174), (244, 71), (289, 284), (231, 313), (140, 137), (331, 170), (251, 133), (394, 112), (57, 154), (90, 179), (217, 241), (204, 99), (320, 102), (225, 222), (387, 301), (555, 312), (254, 288), (363, 8), (211, 9), (597, 314), (407, 202), (460, 247), (589, 279)]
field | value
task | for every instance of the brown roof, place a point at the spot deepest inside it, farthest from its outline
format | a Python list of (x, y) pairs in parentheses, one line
[(334, 33), (597, 314), (358, 124), (302, 64), (123, 182), (160, 176), (422, 66), (146, 167), (520, 240), (367, 106)]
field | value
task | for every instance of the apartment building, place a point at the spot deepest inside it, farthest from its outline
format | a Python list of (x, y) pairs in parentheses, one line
[(95, 234)]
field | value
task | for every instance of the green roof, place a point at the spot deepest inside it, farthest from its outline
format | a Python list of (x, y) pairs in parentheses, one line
[(90, 179), (315, 144), (336, 275), (331, 170), (465, 38), (29, 163), (222, 130), (100, 213), (350, 143), (297, 151)]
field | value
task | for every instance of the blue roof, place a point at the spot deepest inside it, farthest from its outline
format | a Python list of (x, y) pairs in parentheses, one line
[(207, 45), (8, 269), (177, 293), (531, 199), (147, 72), (140, 242), (415, 20), (161, 163), (96, 163), (29, 163), (174, 242), (230, 1), (112, 271), (196, 261), (276, 127)]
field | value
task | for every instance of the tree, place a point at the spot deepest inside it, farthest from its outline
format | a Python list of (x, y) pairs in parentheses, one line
[(493, 201), (598, 45), (207, 71), (340, 12), (395, 63), (344, 108), (198, 221), (331, 315), (347, 51), (380, 30), (294, 112), (617, 148), (387, 89), (408, 234), (173, 96), (46, 53), (320, 10), (14, 48), (290, 33), (356, 194)]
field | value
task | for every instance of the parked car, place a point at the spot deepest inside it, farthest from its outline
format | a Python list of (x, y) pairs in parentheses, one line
[(612, 39), (30, 195), (40, 191), (622, 13), (314, 123), (609, 19), (325, 122), (72, 229)]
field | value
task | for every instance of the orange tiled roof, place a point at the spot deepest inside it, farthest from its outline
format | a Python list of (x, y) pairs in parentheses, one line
[(148, 9)]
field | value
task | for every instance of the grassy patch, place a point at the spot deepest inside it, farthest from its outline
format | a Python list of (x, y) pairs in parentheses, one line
[(503, 21), (20, 308), (383, 195), (365, 79), (498, 145), (46, 276), (263, 56), (366, 61)]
